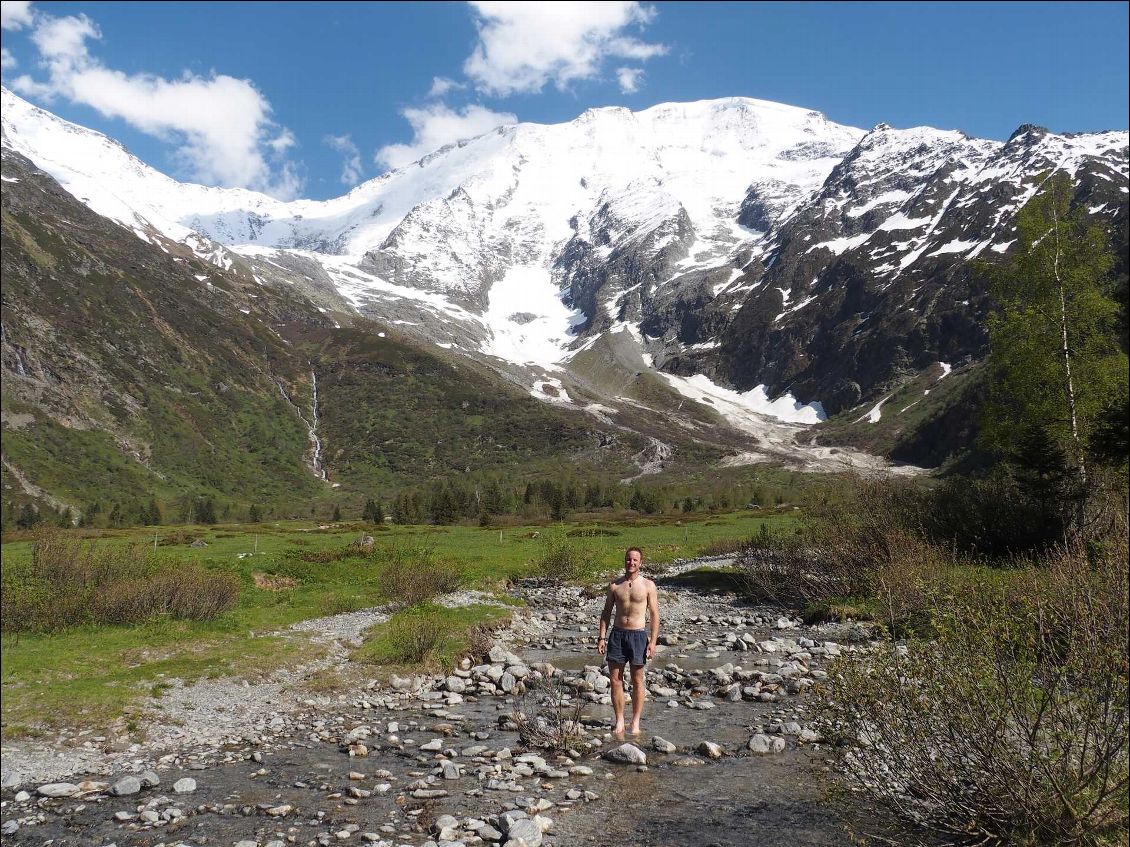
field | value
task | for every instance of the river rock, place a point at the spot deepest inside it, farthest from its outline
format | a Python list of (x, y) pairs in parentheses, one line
[(662, 745), (58, 789), (184, 785), (126, 786), (763, 744), (710, 750), (524, 833), (627, 754)]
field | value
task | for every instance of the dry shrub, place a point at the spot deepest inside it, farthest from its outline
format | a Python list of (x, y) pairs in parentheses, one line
[(186, 593), (70, 581), (480, 638), (273, 582), (1010, 726), (548, 715), (324, 557), (413, 575)]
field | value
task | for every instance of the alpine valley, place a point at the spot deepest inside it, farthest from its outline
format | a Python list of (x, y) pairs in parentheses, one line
[(675, 291)]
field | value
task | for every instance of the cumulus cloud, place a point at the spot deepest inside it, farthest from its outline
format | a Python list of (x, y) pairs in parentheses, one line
[(7, 60), (435, 125), (351, 169), (629, 79), (15, 14), (523, 46), (442, 86), (221, 126)]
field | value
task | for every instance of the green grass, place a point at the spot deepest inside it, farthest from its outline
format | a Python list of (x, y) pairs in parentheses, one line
[(381, 645), (88, 676)]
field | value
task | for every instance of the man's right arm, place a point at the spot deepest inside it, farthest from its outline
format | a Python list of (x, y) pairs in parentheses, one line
[(605, 621)]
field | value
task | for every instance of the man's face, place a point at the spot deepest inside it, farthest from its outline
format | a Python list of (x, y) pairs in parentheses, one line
[(632, 562)]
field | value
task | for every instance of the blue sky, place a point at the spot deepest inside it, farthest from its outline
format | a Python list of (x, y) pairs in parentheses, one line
[(304, 99)]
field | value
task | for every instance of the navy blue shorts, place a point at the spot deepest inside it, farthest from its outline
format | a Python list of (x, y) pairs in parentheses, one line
[(627, 646)]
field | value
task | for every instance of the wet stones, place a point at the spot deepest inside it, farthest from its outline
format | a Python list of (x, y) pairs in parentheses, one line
[(626, 754)]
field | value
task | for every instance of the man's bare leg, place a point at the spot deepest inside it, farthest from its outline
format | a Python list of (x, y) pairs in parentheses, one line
[(637, 697), (616, 676)]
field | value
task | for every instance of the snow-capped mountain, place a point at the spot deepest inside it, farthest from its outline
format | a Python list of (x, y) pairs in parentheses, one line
[(728, 243)]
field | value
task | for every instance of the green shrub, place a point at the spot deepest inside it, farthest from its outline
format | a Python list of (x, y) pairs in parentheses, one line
[(413, 574), (338, 603), (565, 560), (1010, 725), (413, 637)]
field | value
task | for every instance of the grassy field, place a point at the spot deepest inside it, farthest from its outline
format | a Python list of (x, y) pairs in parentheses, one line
[(91, 676)]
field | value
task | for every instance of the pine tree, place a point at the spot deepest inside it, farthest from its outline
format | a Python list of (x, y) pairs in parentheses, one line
[(253, 514), (337, 514)]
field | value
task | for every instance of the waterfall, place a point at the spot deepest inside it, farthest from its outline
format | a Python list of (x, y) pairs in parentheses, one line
[(311, 427), (314, 439)]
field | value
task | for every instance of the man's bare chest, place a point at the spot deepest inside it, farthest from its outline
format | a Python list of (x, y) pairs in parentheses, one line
[(629, 595)]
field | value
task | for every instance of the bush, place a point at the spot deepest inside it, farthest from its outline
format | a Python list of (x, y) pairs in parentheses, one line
[(564, 560), (413, 637), (69, 582), (340, 604), (1011, 725), (411, 575), (549, 716)]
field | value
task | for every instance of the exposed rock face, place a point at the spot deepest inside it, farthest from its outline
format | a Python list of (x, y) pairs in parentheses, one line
[(754, 243)]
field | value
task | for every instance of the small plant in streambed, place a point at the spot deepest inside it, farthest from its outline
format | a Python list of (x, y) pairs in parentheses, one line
[(548, 715)]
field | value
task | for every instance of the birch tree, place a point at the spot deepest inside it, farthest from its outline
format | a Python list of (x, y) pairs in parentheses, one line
[(1055, 361)]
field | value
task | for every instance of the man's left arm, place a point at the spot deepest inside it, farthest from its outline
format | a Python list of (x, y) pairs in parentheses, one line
[(653, 613)]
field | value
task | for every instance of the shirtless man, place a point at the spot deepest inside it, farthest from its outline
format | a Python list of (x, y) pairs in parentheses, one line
[(629, 643)]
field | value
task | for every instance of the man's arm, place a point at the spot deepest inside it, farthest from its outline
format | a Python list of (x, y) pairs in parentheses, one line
[(605, 621), (653, 612)]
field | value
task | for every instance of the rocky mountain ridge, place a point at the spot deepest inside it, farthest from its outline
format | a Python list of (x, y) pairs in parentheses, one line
[(698, 266)]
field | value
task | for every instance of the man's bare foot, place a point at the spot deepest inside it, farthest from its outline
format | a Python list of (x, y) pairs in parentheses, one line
[(618, 729), (635, 730)]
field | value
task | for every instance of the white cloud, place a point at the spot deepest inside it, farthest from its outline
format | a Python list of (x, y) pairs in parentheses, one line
[(435, 125), (7, 60), (629, 79), (15, 14), (525, 45), (442, 86), (221, 126), (351, 169)]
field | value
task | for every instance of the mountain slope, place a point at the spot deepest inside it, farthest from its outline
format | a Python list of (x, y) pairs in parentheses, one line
[(724, 273)]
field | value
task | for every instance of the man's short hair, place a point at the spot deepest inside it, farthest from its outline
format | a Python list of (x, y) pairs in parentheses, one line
[(637, 549)]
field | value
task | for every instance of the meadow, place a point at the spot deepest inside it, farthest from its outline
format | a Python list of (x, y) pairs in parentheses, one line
[(98, 674)]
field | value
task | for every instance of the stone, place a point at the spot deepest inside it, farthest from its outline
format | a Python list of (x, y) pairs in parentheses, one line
[(126, 786), (710, 750), (627, 754), (455, 684), (184, 785), (280, 811), (149, 779), (10, 827), (58, 789), (10, 779), (525, 832), (763, 744), (662, 745), (451, 770)]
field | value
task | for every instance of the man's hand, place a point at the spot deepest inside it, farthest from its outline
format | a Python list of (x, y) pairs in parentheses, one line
[(650, 651), (600, 648)]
